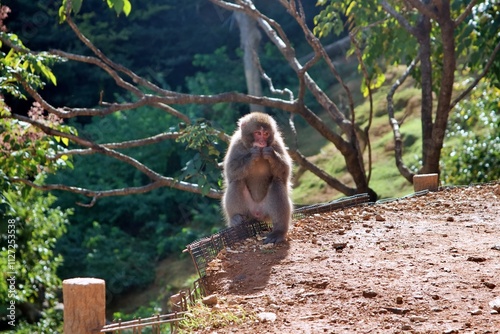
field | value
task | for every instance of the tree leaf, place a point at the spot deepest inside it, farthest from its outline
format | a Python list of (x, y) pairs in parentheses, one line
[(127, 7), (76, 5)]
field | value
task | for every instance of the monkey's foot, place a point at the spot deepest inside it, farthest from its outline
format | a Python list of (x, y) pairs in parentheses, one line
[(237, 220), (275, 237)]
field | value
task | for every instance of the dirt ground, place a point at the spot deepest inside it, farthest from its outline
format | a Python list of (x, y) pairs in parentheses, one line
[(427, 264)]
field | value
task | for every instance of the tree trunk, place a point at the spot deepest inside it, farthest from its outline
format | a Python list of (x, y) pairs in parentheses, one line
[(424, 39), (434, 144), (250, 38)]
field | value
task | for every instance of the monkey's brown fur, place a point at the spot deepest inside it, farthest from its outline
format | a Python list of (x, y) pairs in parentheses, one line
[(258, 179)]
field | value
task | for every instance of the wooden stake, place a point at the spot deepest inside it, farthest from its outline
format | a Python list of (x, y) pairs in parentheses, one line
[(425, 181), (84, 305)]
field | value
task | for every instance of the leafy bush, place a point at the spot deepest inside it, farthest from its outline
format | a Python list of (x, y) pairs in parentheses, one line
[(472, 150)]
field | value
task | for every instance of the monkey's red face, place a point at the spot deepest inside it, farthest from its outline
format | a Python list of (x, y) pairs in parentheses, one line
[(260, 137)]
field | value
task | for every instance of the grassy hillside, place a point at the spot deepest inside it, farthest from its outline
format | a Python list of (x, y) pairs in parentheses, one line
[(385, 178)]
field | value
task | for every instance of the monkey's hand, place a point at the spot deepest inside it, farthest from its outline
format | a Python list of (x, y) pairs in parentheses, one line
[(268, 153), (256, 152)]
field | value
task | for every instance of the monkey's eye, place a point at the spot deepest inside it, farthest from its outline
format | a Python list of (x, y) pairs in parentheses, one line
[(261, 133)]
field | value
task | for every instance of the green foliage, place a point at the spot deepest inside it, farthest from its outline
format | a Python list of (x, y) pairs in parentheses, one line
[(478, 35), (109, 256), (38, 226), (18, 64), (122, 245), (383, 38), (202, 317), (218, 72), (203, 168), (26, 151), (120, 6), (472, 152)]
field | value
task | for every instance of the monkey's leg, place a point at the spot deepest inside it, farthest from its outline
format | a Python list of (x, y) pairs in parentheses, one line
[(279, 209), (235, 203)]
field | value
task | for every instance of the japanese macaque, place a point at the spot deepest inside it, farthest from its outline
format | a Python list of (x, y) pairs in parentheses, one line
[(257, 175)]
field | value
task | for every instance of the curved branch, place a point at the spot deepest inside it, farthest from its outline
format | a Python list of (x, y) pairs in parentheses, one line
[(398, 142), (476, 81), (96, 61), (135, 78), (465, 13), (400, 18), (165, 182), (370, 99), (314, 42), (96, 147), (331, 181), (126, 144), (423, 8)]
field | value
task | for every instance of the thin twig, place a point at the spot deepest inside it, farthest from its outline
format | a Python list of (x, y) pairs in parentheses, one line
[(479, 77)]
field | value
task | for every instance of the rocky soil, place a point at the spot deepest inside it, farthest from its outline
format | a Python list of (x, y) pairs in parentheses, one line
[(427, 264)]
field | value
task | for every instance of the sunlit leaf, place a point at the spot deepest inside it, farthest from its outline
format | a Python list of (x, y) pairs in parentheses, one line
[(127, 7)]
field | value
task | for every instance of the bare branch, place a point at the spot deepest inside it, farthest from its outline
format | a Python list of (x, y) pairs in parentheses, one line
[(333, 50), (370, 99), (158, 180), (96, 61), (95, 194), (465, 13), (398, 142), (121, 145), (423, 8), (270, 82), (400, 18), (331, 181), (135, 78), (172, 111), (320, 50), (479, 77)]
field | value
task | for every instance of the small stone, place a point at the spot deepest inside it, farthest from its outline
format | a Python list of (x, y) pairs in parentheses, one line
[(266, 317), (369, 294), (417, 318), (495, 304), (476, 312), (496, 247), (406, 327), (399, 300), (476, 259), (210, 300), (489, 285), (397, 310), (450, 219), (379, 218), (436, 309), (274, 306)]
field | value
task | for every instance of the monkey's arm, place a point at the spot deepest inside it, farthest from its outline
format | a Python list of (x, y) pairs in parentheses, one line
[(279, 160), (238, 162)]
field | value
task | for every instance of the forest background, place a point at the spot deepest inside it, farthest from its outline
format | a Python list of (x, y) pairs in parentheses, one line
[(195, 48)]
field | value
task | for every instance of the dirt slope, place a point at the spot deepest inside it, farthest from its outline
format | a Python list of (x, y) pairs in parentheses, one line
[(428, 264)]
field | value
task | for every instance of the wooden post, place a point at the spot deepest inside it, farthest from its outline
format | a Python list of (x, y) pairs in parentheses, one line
[(425, 181), (84, 305)]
